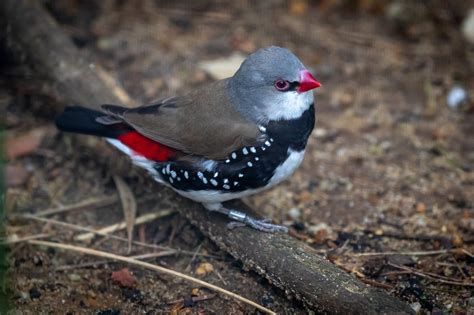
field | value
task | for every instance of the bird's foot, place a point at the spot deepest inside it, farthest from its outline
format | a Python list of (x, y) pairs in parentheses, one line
[(264, 225), (242, 219)]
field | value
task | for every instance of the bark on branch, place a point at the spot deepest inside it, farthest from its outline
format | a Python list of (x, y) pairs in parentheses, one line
[(287, 263)]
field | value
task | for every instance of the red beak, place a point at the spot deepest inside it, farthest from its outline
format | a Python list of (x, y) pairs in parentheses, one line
[(307, 82)]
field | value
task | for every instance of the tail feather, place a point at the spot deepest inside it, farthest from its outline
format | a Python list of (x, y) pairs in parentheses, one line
[(87, 121), (84, 120)]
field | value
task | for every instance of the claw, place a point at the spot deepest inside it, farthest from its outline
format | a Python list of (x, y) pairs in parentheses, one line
[(262, 225), (235, 224)]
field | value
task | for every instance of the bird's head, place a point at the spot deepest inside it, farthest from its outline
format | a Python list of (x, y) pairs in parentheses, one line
[(272, 84)]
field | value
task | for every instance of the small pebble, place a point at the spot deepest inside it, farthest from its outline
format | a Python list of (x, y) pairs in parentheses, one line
[(456, 96), (320, 132), (294, 213), (74, 277), (24, 295), (416, 307)]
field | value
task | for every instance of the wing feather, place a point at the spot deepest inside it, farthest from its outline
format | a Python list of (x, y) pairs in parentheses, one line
[(202, 122)]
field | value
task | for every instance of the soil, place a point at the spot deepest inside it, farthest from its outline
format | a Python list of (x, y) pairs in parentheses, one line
[(389, 168)]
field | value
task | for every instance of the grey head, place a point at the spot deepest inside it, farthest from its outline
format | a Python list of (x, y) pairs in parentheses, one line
[(271, 84)]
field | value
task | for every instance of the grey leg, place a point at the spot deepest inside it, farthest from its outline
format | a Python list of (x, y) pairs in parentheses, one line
[(244, 219)]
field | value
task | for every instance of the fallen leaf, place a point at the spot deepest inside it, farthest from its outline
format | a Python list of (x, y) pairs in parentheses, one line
[(420, 207), (222, 68), (16, 175), (298, 7), (24, 144), (457, 240), (124, 278), (204, 269), (129, 207), (177, 309)]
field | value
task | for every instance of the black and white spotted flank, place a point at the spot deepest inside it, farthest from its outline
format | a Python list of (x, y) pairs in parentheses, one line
[(246, 170)]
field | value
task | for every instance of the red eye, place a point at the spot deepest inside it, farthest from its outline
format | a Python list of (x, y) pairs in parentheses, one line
[(282, 85)]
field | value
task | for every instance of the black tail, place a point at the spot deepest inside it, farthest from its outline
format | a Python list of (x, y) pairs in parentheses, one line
[(83, 120)]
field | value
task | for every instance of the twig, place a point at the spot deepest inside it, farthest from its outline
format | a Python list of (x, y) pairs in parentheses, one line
[(89, 203), (101, 262), (465, 251), (376, 283), (220, 277), (459, 268), (194, 299), (431, 276), (120, 226), (12, 240), (188, 267), (136, 262), (118, 238), (397, 272), (415, 253), (419, 238), (81, 265), (156, 255), (129, 208)]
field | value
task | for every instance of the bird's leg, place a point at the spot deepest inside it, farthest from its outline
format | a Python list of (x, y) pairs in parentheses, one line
[(242, 219)]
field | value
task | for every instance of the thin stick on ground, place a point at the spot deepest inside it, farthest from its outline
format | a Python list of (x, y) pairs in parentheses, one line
[(431, 276), (102, 262), (129, 208), (12, 240), (89, 203), (115, 237), (136, 262), (122, 225), (414, 253)]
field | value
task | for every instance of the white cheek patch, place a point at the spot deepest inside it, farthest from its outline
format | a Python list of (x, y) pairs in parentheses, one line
[(289, 105)]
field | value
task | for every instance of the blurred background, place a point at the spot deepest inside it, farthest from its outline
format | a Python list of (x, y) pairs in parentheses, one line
[(389, 167)]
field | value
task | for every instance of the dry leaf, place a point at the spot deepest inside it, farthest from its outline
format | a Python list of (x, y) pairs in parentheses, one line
[(124, 278), (224, 67), (457, 240), (204, 269), (298, 7), (24, 144), (129, 207), (177, 309), (420, 207)]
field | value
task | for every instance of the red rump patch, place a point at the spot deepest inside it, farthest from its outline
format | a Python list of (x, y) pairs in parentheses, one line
[(146, 147)]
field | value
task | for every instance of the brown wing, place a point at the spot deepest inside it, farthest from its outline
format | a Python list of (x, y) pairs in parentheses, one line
[(202, 122)]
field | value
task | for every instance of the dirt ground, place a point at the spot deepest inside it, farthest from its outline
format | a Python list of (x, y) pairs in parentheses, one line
[(386, 190)]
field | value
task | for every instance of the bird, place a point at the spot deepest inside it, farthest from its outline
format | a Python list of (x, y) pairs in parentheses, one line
[(224, 140)]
